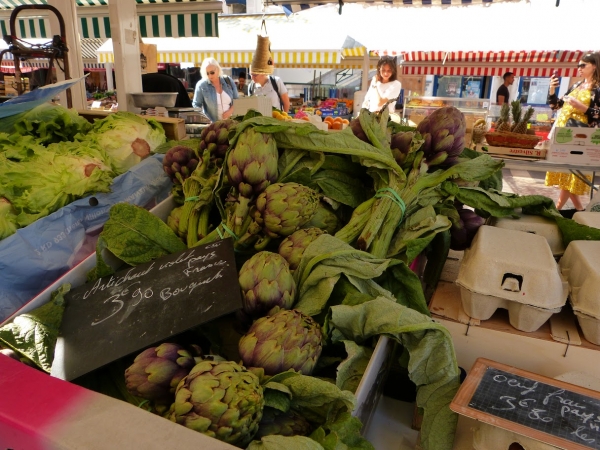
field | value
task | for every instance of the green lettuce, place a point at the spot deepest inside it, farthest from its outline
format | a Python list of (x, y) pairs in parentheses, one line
[(126, 138), (51, 123)]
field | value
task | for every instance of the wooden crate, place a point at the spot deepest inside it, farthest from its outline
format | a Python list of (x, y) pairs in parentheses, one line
[(174, 127)]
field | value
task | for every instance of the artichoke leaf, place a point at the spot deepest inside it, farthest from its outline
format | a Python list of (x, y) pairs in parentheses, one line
[(276, 442), (351, 370)]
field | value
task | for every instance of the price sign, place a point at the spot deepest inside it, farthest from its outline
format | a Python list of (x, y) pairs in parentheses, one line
[(548, 410), (134, 308)]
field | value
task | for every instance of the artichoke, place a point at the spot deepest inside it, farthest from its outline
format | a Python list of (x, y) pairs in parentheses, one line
[(220, 399), (292, 247), (325, 219), (444, 133), (179, 163), (282, 423), (286, 340), (462, 233), (358, 131), (215, 138), (284, 208), (400, 145), (266, 282), (252, 163), (173, 220), (156, 371)]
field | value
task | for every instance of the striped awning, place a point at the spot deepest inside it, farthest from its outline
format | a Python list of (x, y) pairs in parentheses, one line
[(477, 63), (293, 6), (11, 4)]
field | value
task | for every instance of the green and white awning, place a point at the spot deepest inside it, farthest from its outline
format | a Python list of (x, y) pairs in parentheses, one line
[(157, 18)]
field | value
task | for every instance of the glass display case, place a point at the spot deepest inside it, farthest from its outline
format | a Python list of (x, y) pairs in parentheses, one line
[(416, 108)]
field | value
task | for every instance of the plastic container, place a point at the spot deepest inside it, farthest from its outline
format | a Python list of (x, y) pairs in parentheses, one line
[(535, 225), (580, 265), (589, 218), (511, 270)]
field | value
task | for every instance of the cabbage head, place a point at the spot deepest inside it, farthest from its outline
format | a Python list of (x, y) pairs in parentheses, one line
[(126, 138)]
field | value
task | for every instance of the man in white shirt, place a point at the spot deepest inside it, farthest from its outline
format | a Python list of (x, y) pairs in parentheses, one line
[(272, 87)]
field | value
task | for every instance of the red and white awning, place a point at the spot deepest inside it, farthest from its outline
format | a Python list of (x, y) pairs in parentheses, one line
[(479, 63)]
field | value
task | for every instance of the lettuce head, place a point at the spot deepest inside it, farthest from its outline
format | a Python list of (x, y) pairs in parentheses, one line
[(126, 138)]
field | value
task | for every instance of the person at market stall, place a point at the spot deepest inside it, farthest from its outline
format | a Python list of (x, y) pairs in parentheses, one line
[(384, 86), (580, 106), (242, 87), (271, 86), (502, 92), (215, 92)]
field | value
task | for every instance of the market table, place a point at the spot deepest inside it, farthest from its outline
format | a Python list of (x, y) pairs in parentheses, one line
[(542, 165)]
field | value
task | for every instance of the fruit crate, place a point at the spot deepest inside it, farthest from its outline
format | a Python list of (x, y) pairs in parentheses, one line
[(367, 394), (509, 139)]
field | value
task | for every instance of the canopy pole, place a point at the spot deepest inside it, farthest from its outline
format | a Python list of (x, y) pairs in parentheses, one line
[(110, 83), (365, 72), (126, 48), (68, 11)]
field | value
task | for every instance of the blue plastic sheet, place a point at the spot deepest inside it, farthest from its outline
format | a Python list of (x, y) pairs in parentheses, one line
[(30, 100), (35, 256)]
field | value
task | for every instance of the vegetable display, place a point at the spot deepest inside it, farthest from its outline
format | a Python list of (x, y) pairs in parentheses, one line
[(50, 156), (324, 226)]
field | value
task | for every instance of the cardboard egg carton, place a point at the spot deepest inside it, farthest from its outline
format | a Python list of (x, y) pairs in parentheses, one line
[(591, 219), (512, 270), (580, 265), (535, 225)]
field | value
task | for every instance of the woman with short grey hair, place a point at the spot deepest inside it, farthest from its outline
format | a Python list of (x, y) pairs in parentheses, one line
[(215, 92)]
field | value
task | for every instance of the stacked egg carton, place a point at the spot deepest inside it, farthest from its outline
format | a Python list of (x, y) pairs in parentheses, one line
[(512, 270), (580, 265)]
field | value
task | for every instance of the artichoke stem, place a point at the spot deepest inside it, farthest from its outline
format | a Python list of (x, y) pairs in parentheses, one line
[(262, 243), (213, 236), (240, 213), (192, 234), (357, 222), (383, 239), (203, 221), (375, 222)]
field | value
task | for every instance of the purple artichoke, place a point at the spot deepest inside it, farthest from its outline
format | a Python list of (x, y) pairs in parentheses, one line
[(356, 128), (292, 247), (179, 163), (462, 234), (215, 138), (400, 145), (286, 340), (266, 282), (156, 371), (444, 133)]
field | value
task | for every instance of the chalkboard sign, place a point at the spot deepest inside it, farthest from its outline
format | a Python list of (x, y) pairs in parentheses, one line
[(532, 405), (140, 306)]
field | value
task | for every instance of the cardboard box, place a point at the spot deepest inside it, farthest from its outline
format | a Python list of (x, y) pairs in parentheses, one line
[(117, 416), (574, 154), (260, 103), (577, 136), (55, 414), (514, 151)]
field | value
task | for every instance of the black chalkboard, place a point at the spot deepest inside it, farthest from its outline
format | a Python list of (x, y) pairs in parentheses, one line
[(556, 412), (140, 306)]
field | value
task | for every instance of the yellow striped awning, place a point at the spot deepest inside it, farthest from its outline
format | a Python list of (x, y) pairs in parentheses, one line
[(282, 59)]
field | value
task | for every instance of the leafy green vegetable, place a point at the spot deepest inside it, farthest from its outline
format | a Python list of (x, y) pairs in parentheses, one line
[(322, 264), (342, 433), (51, 123), (275, 442), (52, 179), (432, 362), (135, 236), (34, 334), (351, 370), (126, 138), (194, 144)]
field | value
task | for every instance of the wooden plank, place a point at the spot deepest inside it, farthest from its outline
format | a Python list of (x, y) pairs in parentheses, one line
[(525, 402), (174, 127)]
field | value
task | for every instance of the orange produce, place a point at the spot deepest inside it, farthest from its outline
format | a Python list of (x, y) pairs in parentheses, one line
[(338, 120), (345, 121), (337, 126), (328, 119)]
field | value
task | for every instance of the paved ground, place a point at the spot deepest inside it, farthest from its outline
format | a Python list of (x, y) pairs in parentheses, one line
[(524, 182)]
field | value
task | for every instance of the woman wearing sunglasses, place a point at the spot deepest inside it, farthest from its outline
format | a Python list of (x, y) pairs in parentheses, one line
[(580, 106), (215, 92), (384, 86)]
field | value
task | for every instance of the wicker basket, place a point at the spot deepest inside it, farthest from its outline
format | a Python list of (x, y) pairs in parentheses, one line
[(509, 139)]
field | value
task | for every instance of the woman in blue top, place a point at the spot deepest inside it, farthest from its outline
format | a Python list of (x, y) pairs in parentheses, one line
[(215, 92)]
